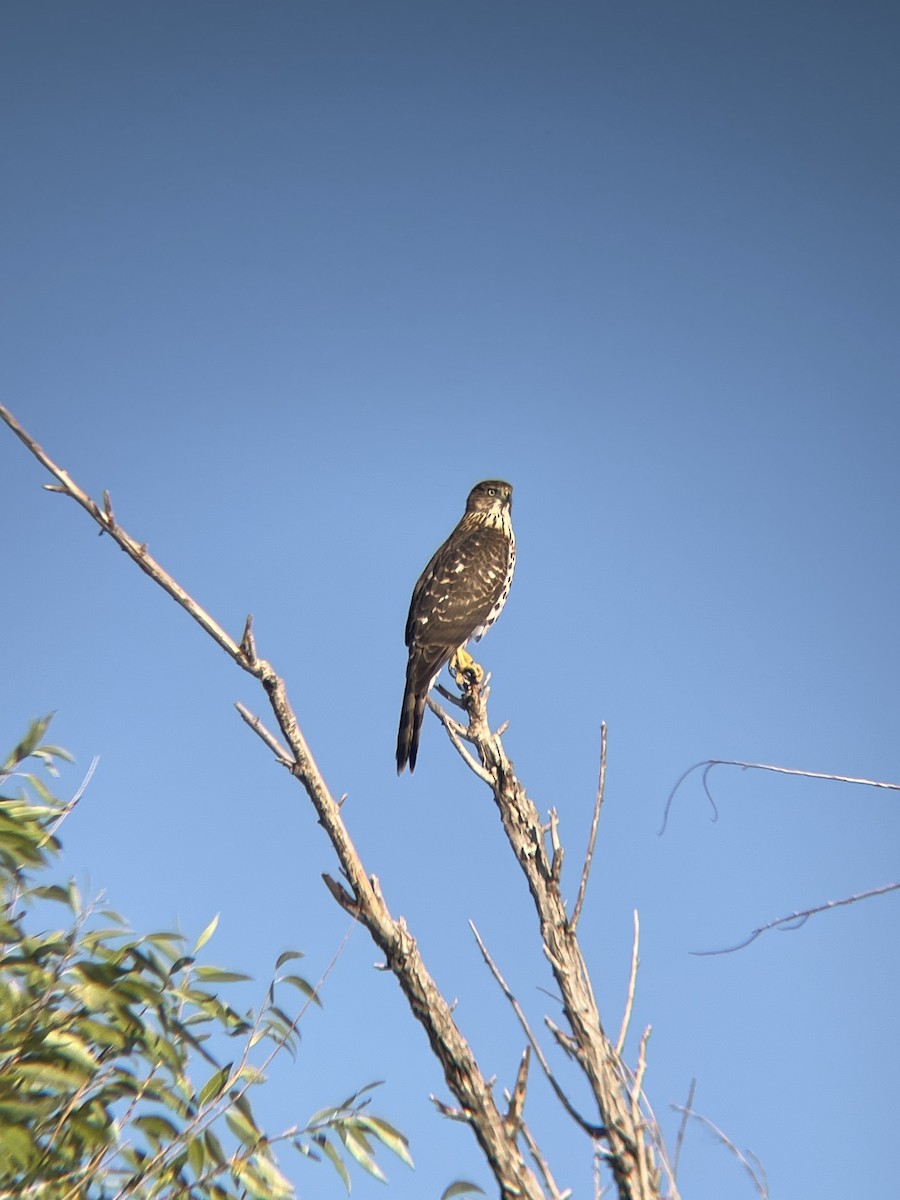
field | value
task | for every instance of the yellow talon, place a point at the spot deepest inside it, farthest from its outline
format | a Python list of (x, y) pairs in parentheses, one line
[(466, 671)]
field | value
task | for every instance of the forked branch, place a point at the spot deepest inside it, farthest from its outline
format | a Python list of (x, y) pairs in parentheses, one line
[(628, 1132), (473, 1094)]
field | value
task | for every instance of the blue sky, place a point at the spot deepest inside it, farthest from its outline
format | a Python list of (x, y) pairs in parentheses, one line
[(288, 279)]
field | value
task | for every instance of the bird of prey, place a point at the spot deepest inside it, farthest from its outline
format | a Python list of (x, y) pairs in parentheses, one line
[(459, 596)]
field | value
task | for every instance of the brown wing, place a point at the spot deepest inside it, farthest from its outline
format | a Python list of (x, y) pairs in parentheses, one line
[(455, 595)]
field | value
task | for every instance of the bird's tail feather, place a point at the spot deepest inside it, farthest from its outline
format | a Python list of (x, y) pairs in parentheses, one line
[(411, 715)]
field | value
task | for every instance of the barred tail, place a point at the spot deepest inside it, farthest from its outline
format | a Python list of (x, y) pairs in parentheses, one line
[(411, 715)]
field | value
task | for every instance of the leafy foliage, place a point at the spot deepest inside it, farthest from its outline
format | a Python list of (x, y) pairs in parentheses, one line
[(109, 1087)]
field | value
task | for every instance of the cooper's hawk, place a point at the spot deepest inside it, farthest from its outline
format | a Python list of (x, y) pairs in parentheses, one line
[(459, 596)]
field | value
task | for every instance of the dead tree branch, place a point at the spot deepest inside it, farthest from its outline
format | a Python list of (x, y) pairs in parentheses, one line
[(628, 1134), (364, 900)]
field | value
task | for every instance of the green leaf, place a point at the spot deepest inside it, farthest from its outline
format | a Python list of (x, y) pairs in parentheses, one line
[(29, 742), (70, 1047), (51, 892), (286, 957), (251, 1075), (49, 1075), (57, 752), (335, 1159), (215, 1086), (389, 1136), (358, 1145), (462, 1187), (259, 1184), (206, 934), (280, 1020), (38, 785), (197, 1157), (17, 1150), (302, 986), (242, 1127), (214, 1151), (217, 975), (157, 1128)]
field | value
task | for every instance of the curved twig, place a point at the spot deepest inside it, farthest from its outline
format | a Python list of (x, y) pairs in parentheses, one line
[(708, 763), (794, 920)]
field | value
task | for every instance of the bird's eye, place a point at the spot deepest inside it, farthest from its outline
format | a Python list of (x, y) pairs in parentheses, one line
[(492, 491)]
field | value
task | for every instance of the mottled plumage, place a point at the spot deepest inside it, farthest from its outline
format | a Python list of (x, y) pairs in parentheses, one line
[(459, 596)]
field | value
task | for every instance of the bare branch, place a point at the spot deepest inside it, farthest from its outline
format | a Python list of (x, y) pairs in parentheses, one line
[(543, 1168), (632, 983), (456, 733), (516, 1098), (638, 1086), (708, 763), (449, 696), (592, 840), (682, 1128), (757, 1173), (556, 862), (135, 551), (452, 726), (636, 1095), (794, 920), (248, 642), (364, 900), (342, 896), (269, 738), (593, 1130), (628, 1143), (565, 1041)]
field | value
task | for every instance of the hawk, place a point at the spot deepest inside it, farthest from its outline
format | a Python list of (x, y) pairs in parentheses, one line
[(459, 596)]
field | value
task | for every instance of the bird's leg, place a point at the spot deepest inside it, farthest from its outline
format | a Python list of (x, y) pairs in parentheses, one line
[(465, 670)]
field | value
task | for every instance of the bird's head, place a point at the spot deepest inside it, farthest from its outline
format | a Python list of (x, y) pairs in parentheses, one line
[(492, 495)]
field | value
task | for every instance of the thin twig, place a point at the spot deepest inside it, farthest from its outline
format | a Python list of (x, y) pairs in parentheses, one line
[(632, 980), (638, 1086), (556, 862), (516, 1098), (708, 763), (637, 1099), (682, 1128), (456, 733), (267, 736), (136, 551), (794, 920), (449, 723), (82, 788), (542, 1165), (448, 695), (650, 1126), (592, 840), (760, 1182), (587, 1126)]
